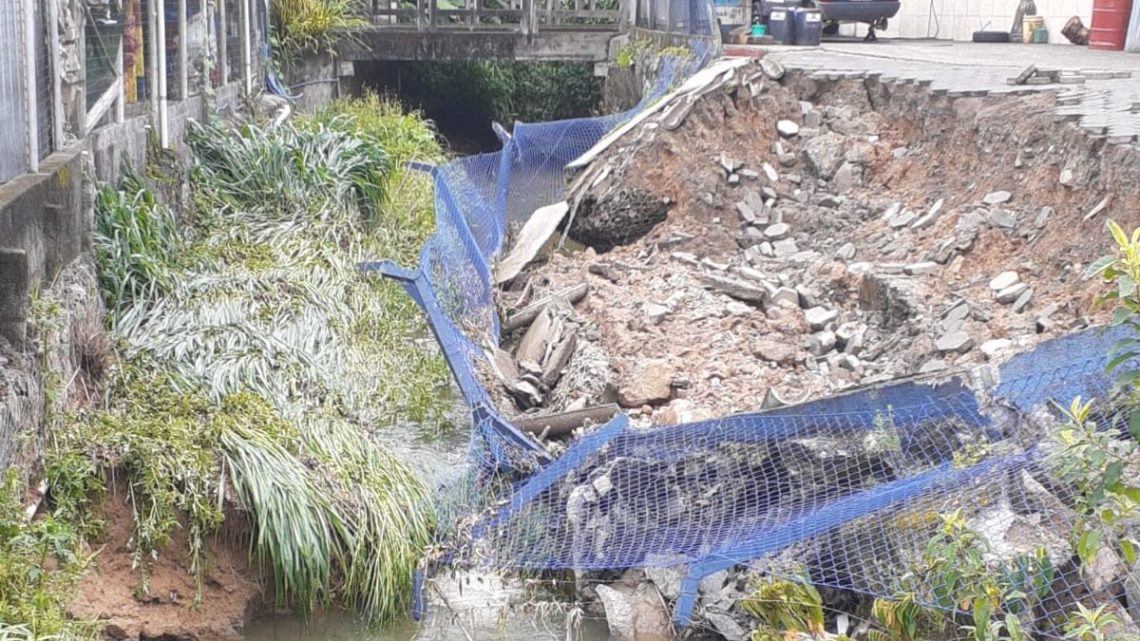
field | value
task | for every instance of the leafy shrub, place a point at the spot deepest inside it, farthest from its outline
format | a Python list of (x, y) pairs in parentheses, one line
[(312, 26)]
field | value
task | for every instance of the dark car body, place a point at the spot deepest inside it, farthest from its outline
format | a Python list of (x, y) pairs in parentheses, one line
[(868, 11)]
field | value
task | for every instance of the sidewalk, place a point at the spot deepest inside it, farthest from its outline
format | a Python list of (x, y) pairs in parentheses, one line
[(1107, 103)]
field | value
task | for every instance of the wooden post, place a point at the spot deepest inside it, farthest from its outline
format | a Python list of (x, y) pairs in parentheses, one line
[(121, 99), (30, 85), (433, 6), (420, 8), (55, 54), (669, 17)]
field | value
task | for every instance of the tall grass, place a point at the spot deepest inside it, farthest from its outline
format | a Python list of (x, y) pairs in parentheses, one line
[(135, 241), (313, 26), (286, 358)]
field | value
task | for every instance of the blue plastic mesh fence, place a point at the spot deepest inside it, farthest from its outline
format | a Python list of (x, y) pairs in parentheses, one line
[(848, 492)]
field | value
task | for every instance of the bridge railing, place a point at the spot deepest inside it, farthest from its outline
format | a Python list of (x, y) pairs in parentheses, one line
[(526, 16)]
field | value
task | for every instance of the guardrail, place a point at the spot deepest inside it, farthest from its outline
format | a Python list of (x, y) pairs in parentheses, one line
[(525, 16)]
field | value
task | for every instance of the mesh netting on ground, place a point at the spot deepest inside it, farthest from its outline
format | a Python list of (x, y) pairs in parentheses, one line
[(848, 492)]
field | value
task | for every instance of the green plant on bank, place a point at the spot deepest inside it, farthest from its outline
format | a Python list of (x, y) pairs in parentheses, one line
[(1088, 624), (40, 562), (135, 241), (903, 619), (312, 26), (267, 362), (784, 609)]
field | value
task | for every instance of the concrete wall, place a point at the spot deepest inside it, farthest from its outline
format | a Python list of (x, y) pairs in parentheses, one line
[(959, 19)]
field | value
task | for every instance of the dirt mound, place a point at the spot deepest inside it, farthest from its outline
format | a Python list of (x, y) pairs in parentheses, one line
[(109, 592), (823, 235)]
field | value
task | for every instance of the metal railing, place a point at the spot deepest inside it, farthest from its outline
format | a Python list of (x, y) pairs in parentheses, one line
[(525, 16)]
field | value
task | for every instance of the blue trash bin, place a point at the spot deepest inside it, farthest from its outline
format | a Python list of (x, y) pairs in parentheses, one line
[(781, 26), (809, 27)]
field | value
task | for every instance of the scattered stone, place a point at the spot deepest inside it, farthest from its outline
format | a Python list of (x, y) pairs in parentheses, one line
[(785, 248), (846, 252), (901, 219), (807, 297), (954, 342), (997, 197), (1011, 293), (1099, 207), (1004, 280), (774, 351), (686, 258), (933, 365), (785, 295), (1003, 219), (825, 153), (772, 400), (923, 268), (1066, 178), (635, 613), (787, 128), (767, 250), (712, 264), (831, 201), (848, 362), (655, 313), (994, 346), (750, 174), (770, 173), (747, 214), (813, 119), (1022, 302), (1043, 216), (650, 383), (770, 195), (956, 312), (1043, 323), (734, 179), (778, 231), (821, 343), (818, 317), (787, 159), (734, 288), (730, 165)]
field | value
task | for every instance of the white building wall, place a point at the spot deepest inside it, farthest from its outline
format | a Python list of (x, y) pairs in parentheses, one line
[(959, 19)]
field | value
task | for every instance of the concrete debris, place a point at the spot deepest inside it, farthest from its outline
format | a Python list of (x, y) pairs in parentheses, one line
[(1011, 293), (995, 346), (787, 128), (997, 198), (819, 317), (1004, 280), (651, 382), (959, 342), (635, 613)]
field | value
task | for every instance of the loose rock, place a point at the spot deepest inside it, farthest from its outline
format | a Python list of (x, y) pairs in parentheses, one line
[(997, 197), (650, 383), (959, 342), (787, 128), (1004, 280), (818, 317)]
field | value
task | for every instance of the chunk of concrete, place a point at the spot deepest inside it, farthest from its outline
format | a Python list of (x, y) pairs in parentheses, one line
[(997, 197), (954, 342), (635, 613), (787, 128), (1004, 280), (818, 317)]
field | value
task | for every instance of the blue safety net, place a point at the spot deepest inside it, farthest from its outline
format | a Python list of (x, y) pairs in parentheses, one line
[(847, 492)]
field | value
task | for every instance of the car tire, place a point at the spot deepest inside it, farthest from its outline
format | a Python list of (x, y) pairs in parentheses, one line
[(991, 36)]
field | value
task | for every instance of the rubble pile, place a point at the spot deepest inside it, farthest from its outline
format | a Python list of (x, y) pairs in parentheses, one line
[(744, 248)]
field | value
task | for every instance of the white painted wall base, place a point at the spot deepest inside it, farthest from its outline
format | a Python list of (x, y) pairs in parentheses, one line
[(959, 19)]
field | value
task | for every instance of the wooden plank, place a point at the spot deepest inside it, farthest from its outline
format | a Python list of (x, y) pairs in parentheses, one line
[(524, 317), (104, 103), (534, 234), (566, 422)]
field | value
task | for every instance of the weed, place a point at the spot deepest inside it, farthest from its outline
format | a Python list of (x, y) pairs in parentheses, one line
[(785, 608), (312, 26)]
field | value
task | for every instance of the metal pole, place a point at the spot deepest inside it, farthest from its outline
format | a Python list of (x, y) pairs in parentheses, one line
[(223, 43), (163, 106), (247, 45), (30, 85), (56, 79), (183, 53)]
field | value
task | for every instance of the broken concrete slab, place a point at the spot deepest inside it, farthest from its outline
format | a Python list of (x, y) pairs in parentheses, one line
[(1004, 280), (818, 317), (954, 342), (1011, 293)]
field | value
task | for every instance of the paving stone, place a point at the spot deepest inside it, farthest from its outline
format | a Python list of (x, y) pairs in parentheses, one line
[(954, 342), (1022, 302), (995, 346), (1004, 280), (923, 268), (1011, 293), (997, 197), (778, 231), (787, 128), (818, 317)]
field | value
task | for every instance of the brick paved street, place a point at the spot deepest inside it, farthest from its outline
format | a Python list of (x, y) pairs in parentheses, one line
[(1104, 99)]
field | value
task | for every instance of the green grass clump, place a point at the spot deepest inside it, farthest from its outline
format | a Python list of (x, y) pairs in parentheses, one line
[(266, 360), (40, 563), (312, 26), (136, 242)]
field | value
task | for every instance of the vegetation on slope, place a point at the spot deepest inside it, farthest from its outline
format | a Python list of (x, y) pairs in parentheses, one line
[(254, 365)]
